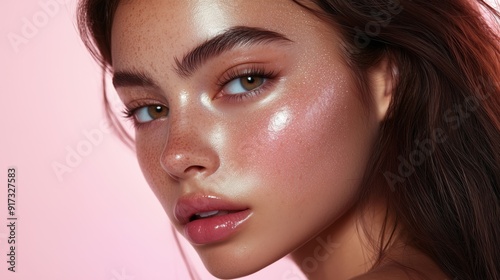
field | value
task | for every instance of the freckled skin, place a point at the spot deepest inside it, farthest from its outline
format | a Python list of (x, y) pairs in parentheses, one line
[(300, 178)]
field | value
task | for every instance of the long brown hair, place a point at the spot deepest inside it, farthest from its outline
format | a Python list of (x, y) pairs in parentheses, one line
[(438, 150)]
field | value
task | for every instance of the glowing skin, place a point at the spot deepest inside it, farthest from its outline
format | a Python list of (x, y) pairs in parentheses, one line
[(294, 153)]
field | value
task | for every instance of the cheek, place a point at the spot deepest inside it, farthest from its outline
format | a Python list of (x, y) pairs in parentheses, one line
[(314, 149), (298, 164), (149, 147)]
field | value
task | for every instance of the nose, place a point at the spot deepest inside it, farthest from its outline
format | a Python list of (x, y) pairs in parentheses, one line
[(188, 151)]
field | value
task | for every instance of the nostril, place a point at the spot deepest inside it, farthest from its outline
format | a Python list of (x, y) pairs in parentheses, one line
[(188, 172), (195, 168)]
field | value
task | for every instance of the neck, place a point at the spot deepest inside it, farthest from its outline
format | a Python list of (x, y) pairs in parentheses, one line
[(343, 249)]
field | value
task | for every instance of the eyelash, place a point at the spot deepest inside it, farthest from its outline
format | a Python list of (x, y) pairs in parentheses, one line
[(129, 111), (253, 71)]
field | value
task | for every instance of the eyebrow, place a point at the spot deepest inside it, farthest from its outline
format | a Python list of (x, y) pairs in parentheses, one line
[(231, 38), (133, 79)]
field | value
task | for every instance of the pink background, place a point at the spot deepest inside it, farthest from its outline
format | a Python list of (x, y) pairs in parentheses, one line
[(100, 221)]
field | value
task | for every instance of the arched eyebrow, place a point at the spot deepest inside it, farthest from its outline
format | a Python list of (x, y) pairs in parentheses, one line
[(231, 38), (133, 79)]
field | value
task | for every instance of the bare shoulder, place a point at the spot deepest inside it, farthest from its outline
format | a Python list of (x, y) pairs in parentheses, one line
[(398, 272), (405, 263)]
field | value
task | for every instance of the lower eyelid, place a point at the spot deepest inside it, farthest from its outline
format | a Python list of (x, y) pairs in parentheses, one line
[(141, 107), (264, 80), (268, 84)]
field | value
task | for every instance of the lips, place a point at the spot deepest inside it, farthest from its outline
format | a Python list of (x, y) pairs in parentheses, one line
[(214, 213), (208, 219)]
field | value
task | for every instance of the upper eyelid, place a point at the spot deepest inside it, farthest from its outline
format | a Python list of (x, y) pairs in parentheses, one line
[(252, 69), (137, 104), (130, 113)]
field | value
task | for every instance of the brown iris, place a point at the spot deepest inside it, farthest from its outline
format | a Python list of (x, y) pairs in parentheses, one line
[(251, 82), (157, 111)]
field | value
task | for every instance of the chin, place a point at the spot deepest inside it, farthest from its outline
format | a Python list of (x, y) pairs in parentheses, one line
[(224, 269), (233, 263)]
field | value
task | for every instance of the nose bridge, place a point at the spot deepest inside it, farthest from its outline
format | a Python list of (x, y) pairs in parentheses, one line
[(188, 151)]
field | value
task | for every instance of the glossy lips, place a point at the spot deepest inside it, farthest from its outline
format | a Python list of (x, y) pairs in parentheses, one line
[(209, 219)]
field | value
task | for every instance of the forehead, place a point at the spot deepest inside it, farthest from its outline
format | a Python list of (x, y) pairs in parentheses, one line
[(150, 28), (203, 16)]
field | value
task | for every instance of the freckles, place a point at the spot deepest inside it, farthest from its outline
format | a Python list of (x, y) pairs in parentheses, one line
[(149, 147), (313, 135), (323, 117)]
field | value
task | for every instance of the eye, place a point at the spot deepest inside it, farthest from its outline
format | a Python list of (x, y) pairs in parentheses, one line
[(243, 84), (150, 113)]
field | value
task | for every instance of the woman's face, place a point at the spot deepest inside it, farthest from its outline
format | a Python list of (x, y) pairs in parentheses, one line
[(246, 108)]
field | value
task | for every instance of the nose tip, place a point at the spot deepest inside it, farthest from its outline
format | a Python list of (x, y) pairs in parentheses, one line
[(181, 163), (189, 148)]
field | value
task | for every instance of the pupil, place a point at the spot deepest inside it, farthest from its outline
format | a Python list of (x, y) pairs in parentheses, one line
[(251, 82), (157, 111)]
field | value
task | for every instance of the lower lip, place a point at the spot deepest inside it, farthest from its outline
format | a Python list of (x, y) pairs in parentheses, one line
[(215, 229)]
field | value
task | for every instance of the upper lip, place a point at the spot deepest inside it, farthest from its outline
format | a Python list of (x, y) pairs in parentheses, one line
[(187, 206)]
